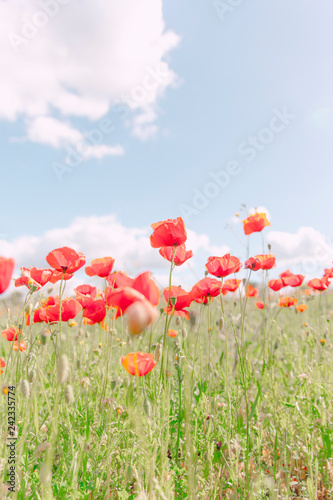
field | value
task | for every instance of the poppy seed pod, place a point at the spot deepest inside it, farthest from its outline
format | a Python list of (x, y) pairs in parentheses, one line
[(63, 369), (25, 388)]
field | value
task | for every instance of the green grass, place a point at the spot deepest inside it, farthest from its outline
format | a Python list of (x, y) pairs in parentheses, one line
[(253, 421)]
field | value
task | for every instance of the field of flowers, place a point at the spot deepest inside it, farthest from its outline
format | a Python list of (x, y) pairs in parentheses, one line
[(126, 391)]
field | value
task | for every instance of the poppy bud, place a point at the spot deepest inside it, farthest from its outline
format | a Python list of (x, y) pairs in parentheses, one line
[(193, 318), (28, 309), (178, 321), (63, 369), (158, 352), (25, 388), (69, 395), (221, 323), (184, 333), (269, 247), (32, 376)]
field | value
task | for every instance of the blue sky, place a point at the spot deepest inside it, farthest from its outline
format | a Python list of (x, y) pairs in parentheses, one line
[(230, 77)]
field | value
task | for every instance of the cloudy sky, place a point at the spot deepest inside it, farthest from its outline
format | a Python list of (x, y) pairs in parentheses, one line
[(114, 115)]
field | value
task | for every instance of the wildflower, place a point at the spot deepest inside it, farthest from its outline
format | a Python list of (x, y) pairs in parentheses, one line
[(267, 261), (6, 271), (252, 291), (119, 279), (95, 312), (322, 341), (168, 233), (85, 294), (319, 284), (287, 301), (205, 290), (66, 260), (138, 363), (179, 256), (22, 346), (276, 285), (145, 285), (100, 267), (34, 278), (301, 307), (290, 279), (230, 286), (173, 333), (178, 300), (11, 334), (49, 312), (2, 365), (223, 266), (253, 264), (260, 305), (255, 223)]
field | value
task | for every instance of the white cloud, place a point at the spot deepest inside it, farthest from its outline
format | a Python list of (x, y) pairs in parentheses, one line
[(50, 131), (77, 57), (306, 251), (99, 236)]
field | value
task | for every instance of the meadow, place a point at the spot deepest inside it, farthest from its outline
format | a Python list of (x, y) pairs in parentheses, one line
[(125, 391)]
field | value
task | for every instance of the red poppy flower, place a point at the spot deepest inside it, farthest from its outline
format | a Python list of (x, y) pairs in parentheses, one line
[(301, 307), (100, 267), (223, 266), (66, 260), (6, 272), (267, 261), (230, 286), (34, 278), (49, 313), (85, 294), (181, 255), (138, 363), (11, 334), (328, 273), (95, 312), (122, 297), (58, 275), (119, 279), (252, 291), (2, 365), (173, 333), (260, 305), (253, 263), (287, 301), (145, 285), (290, 279), (168, 233), (255, 223), (319, 284), (22, 346), (205, 290), (276, 285), (179, 299)]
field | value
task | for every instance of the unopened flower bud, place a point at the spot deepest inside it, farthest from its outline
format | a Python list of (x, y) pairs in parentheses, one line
[(147, 407), (158, 352), (32, 376)]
